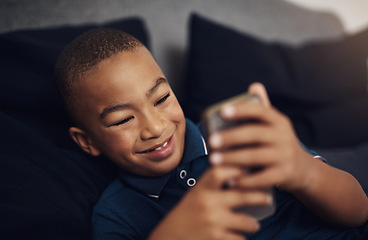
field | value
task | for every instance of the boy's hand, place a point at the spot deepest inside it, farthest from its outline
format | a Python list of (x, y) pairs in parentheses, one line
[(271, 144), (206, 211)]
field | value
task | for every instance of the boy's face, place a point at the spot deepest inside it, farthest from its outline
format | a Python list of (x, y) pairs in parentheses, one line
[(130, 114)]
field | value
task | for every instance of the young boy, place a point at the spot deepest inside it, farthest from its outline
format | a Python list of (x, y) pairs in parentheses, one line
[(123, 107)]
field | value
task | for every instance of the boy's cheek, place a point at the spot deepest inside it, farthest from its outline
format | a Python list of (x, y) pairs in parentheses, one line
[(119, 150), (116, 142), (177, 112)]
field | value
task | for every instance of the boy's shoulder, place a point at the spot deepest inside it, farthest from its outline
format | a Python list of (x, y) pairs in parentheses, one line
[(121, 203), (115, 187), (123, 211)]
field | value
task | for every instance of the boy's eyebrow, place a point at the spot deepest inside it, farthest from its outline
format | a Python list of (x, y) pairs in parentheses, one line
[(119, 107), (154, 88), (115, 108)]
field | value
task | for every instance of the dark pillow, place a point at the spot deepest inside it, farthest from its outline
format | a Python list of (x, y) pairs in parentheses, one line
[(26, 78), (47, 192), (48, 186), (322, 86)]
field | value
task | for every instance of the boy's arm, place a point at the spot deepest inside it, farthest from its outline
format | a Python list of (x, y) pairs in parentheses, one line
[(332, 194)]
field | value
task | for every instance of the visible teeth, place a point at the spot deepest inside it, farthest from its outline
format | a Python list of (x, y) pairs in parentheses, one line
[(159, 148)]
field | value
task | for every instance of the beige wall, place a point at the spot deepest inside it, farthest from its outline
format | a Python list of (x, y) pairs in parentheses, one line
[(353, 14)]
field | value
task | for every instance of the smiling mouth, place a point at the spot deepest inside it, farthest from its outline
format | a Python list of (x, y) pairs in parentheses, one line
[(158, 148)]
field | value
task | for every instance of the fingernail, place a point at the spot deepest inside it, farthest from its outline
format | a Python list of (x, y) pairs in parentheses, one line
[(215, 141), (254, 99), (216, 158), (269, 199), (228, 111), (257, 226)]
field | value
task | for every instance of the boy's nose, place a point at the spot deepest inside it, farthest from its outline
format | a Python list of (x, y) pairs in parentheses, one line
[(152, 126)]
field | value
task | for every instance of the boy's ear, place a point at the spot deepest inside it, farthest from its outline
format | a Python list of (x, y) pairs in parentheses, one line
[(260, 90), (84, 141)]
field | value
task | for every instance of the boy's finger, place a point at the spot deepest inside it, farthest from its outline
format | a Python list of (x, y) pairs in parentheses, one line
[(241, 222), (236, 198), (263, 179), (241, 135), (246, 110), (216, 177), (244, 157), (260, 90)]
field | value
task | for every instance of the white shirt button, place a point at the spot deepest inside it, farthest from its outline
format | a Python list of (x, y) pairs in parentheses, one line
[(191, 182), (182, 174)]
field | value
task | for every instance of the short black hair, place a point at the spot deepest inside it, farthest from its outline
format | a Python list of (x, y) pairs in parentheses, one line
[(82, 55)]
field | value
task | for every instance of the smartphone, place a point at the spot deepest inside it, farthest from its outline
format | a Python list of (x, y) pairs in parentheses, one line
[(213, 122)]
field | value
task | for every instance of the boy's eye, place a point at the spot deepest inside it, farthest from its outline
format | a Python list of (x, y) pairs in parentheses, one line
[(162, 100), (123, 121)]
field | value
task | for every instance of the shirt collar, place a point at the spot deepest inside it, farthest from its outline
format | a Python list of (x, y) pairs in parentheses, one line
[(194, 148)]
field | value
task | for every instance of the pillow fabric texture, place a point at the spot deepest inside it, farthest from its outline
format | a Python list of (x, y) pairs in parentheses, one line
[(48, 186), (321, 86)]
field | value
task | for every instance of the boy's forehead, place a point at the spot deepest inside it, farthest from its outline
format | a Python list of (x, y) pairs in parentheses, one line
[(131, 69)]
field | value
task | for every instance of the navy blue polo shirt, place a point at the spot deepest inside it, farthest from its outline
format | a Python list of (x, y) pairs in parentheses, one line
[(133, 205)]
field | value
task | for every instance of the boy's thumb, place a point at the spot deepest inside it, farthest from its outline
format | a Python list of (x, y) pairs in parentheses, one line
[(260, 90)]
